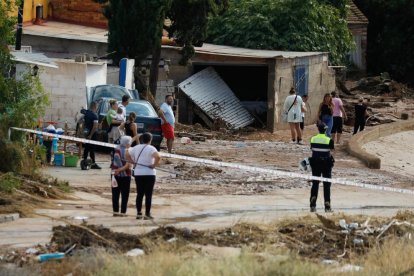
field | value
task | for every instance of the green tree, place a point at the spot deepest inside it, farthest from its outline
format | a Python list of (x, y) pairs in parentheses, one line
[(390, 37), (293, 25), (136, 26), (22, 100), (189, 23)]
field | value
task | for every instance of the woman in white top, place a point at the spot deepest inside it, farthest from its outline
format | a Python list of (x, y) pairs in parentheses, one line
[(145, 158), (293, 108)]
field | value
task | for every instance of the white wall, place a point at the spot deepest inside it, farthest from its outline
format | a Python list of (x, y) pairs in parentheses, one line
[(112, 75), (96, 73), (321, 80), (66, 87)]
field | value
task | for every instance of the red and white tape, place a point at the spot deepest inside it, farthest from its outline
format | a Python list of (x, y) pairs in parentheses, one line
[(234, 165)]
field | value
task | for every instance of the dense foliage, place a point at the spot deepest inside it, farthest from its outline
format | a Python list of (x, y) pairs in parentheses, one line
[(294, 25), (136, 27), (22, 99), (390, 37), (189, 22)]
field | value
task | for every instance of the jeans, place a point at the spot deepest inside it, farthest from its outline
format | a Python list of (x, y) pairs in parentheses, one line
[(123, 190), (145, 186), (328, 120)]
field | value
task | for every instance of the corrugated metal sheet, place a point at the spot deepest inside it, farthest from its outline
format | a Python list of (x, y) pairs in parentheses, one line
[(212, 95), (33, 58), (254, 53)]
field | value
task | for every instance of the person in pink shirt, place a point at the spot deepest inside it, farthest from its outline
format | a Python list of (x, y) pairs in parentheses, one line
[(338, 115)]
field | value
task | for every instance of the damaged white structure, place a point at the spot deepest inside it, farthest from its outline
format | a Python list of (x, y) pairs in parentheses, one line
[(256, 76), (214, 99)]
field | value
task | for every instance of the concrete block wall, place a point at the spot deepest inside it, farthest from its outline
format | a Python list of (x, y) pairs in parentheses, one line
[(164, 87), (355, 144), (66, 87)]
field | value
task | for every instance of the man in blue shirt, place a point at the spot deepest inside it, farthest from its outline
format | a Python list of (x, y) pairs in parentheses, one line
[(91, 127), (168, 121)]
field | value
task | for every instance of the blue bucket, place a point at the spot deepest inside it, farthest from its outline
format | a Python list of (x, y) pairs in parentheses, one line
[(55, 144), (58, 159)]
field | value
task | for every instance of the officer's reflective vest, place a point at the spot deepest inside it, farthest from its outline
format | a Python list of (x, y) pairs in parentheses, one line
[(320, 145)]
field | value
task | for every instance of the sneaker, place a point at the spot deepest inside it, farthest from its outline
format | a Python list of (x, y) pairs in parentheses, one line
[(95, 166), (313, 209), (328, 207), (300, 142), (139, 216), (117, 215), (148, 217)]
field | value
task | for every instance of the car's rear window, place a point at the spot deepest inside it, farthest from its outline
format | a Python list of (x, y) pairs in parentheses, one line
[(141, 109), (109, 92)]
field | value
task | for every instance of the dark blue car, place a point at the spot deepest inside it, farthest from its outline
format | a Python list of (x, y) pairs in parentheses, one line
[(147, 119)]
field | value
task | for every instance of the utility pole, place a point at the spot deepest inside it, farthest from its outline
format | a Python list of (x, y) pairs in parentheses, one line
[(19, 26)]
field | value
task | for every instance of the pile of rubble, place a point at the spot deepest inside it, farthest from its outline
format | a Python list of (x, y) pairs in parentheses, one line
[(327, 240), (383, 85)]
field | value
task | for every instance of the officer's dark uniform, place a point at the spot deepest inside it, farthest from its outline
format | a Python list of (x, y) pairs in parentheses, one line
[(321, 163)]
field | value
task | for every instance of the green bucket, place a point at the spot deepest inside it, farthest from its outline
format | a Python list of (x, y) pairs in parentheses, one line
[(71, 160)]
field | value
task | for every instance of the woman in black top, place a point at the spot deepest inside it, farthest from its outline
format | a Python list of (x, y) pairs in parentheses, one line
[(360, 115), (130, 127), (325, 112)]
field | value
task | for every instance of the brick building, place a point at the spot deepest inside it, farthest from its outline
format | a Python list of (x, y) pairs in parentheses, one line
[(83, 12)]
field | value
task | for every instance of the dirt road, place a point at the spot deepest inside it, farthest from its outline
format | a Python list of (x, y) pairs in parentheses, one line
[(199, 197)]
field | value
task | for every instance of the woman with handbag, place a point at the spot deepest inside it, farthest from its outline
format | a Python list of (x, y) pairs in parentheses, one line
[(121, 170), (145, 158), (292, 109)]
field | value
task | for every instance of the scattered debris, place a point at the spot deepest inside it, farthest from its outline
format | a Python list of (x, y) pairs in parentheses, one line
[(135, 252), (215, 103), (50, 256), (383, 85), (350, 268)]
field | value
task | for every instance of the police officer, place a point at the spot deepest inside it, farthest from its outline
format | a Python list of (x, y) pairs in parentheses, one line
[(321, 163)]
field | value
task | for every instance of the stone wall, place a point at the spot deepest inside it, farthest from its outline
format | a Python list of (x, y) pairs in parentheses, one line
[(83, 12), (355, 144)]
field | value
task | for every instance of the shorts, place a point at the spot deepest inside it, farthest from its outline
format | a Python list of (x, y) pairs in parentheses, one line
[(338, 124), (167, 131)]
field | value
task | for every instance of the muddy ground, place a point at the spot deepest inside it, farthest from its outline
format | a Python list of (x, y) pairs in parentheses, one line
[(191, 202)]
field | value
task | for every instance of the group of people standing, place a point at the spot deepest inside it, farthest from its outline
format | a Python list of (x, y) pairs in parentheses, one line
[(331, 112), (331, 115), (134, 156)]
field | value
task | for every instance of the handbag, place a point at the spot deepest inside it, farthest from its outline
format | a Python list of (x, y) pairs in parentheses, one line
[(285, 114), (136, 163)]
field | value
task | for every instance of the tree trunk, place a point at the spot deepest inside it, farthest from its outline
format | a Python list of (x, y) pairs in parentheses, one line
[(156, 56), (139, 82), (19, 26)]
